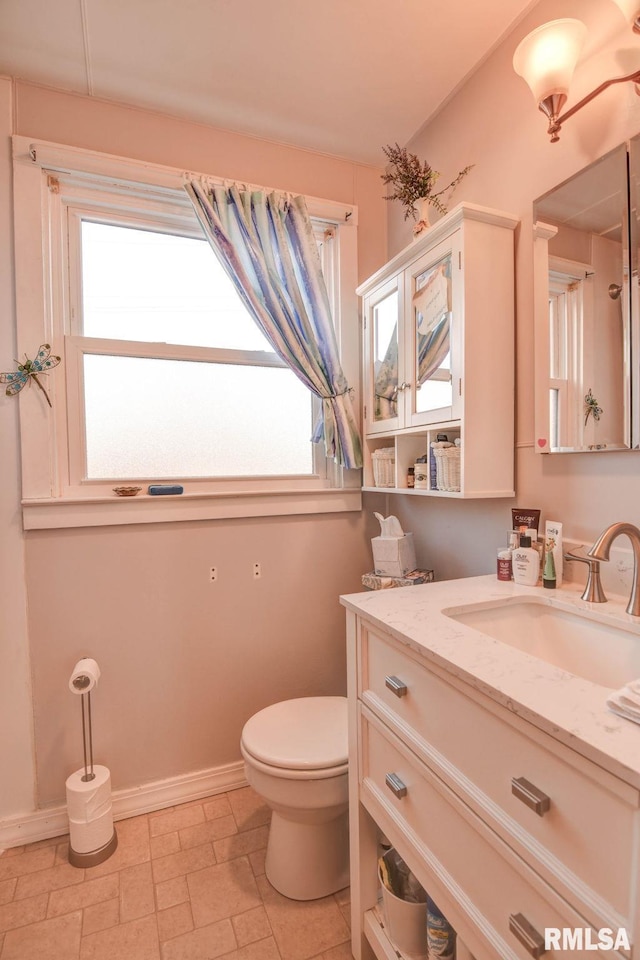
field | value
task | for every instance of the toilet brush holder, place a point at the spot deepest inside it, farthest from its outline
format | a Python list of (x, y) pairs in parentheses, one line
[(92, 835)]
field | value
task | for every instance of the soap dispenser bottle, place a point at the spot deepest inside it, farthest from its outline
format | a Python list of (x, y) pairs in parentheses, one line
[(526, 563)]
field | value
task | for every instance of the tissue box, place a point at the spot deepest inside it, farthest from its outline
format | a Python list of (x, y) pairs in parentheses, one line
[(394, 556)]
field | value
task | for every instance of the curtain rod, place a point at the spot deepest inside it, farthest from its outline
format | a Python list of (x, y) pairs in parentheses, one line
[(78, 160)]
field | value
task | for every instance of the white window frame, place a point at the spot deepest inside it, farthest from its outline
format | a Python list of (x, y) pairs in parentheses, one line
[(71, 210), (54, 188), (567, 307)]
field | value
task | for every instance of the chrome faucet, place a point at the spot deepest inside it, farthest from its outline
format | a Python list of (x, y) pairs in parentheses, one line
[(600, 551), (593, 591)]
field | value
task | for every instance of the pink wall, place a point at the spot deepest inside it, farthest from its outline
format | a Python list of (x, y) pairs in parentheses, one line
[(493, 123), (185, 662), (16, 749), (142, 135), (136, 596)]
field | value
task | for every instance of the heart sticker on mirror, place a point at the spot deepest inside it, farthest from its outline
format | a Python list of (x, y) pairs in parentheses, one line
[(542, 442)]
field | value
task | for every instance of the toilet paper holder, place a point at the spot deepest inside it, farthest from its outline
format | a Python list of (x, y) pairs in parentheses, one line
[(92, 836), (84, 678), (87, 737)]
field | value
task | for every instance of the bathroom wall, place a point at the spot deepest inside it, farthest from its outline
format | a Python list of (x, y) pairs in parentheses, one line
[(492, 122), (185, 665), (185, 662), (16, 743)]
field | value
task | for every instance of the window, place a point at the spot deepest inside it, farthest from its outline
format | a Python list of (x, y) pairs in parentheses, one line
[(569, 299), (165, 374), (227, 408)]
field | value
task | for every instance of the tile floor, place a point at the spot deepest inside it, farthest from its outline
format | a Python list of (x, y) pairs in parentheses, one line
[(185, 883)]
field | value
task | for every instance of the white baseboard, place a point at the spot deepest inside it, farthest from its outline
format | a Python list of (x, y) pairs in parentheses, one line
[(53, 821)]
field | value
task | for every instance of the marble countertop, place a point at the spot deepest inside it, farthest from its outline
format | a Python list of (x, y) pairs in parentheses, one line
[(568, 707)]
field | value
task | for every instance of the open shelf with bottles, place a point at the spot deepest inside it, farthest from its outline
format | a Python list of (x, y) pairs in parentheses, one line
[(479, 472), (407, 449)]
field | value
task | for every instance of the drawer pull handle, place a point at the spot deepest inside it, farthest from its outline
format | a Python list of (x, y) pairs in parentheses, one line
[(396, 785), (527, 935), (535, 799), (396, 685)]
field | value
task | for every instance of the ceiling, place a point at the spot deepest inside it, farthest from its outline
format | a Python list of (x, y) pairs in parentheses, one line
[(594, 200), (342, 77)]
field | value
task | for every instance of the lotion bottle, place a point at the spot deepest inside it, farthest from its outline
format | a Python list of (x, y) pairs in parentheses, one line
[(526, 563)]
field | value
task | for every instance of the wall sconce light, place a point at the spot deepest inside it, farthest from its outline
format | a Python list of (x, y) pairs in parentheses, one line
[(631, 12), (547, 57)]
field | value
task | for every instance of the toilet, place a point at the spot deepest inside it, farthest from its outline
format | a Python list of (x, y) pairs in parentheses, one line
[(296, 758)]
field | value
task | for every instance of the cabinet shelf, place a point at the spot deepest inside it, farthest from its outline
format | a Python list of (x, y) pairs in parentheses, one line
[(454, 494), (376, 934)]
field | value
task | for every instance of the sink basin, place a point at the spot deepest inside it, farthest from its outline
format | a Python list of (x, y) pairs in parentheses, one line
[(603, 653)]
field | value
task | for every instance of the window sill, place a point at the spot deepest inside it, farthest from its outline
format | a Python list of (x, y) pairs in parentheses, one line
[(55, 513)]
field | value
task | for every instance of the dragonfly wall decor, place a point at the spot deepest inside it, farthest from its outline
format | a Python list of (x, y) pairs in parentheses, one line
[(30, 370), (591, 408)]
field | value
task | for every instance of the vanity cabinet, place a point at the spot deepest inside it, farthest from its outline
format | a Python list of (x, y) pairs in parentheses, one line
[(508, 830), (438, 325)]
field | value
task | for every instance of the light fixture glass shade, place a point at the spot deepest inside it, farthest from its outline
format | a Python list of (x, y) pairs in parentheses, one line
[(630, 11), (547, 57)]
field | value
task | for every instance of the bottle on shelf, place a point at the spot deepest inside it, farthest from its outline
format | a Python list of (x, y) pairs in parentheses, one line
[(441, 937)]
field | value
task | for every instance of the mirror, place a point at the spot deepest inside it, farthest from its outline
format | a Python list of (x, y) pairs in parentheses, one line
[(384, 318), (583, 314), (432, 297)]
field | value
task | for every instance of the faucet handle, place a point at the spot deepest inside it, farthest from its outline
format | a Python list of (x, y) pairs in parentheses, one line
[(577, 556), (593, 591)]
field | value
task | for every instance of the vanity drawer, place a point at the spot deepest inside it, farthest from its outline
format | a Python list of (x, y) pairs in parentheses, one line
[(480, 868), (589, 825)]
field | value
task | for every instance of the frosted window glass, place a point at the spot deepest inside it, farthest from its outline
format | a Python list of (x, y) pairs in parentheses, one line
[(434, 394), (169, 418), (558, 336), (160, 288), (554, 418)]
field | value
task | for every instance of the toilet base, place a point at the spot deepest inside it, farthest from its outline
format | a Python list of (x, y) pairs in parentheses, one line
[(308, 861)]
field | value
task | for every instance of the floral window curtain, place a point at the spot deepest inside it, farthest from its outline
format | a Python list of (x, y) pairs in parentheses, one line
[(432, 350), (385, 387), (266, 244), (432, 304)]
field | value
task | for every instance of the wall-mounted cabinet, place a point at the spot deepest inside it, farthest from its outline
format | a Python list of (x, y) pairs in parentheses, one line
[(439, 353)]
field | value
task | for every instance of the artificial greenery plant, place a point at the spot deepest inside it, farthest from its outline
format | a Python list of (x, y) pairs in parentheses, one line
[(413, 180)]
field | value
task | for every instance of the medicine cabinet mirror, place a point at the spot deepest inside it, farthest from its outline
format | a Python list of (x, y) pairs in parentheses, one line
[(587, 309)]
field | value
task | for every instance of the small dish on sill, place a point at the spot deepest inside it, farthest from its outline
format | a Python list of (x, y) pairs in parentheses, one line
[(126, 491)]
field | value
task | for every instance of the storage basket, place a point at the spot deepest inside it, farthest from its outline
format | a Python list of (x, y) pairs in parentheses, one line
[(384, 467), (447, 457)]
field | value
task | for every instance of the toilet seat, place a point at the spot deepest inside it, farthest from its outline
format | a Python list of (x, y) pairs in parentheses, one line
[(287, 773), (298, 739)]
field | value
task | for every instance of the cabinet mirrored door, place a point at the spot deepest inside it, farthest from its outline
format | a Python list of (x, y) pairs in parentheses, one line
[(384, 346), (434, 343), (432, 350)]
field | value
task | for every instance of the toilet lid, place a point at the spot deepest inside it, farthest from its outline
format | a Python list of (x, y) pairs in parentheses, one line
[(309, 733)]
